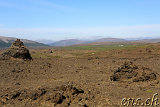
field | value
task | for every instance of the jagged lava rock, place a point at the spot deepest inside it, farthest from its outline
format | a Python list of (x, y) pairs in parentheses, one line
[(129, 71)]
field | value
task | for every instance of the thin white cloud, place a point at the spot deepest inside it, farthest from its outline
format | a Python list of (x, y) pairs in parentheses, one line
[(68, 33)]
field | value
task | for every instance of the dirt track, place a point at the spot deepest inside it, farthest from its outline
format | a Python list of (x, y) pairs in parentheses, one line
[(77, 78)]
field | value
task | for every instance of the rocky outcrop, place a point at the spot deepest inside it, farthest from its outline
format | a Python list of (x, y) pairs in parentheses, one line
[(17, 50), (130, 72)]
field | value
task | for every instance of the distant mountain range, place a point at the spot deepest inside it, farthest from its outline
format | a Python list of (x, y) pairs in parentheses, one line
[(102, 41), (45, 41), (157, 40), (110, 40), (70, 42), (7, 41)]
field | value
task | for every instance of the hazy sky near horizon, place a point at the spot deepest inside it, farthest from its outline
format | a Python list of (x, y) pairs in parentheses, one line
[(81, 19)]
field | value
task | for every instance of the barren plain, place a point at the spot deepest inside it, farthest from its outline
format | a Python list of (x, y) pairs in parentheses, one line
[(82, 77)]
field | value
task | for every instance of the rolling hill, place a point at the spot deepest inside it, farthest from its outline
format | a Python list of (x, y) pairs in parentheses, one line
[(103, 41), (157, 40), (69, 42), (7, 41), (110, 40)]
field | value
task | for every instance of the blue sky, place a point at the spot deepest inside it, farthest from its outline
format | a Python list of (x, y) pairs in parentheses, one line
[(82, 19)]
